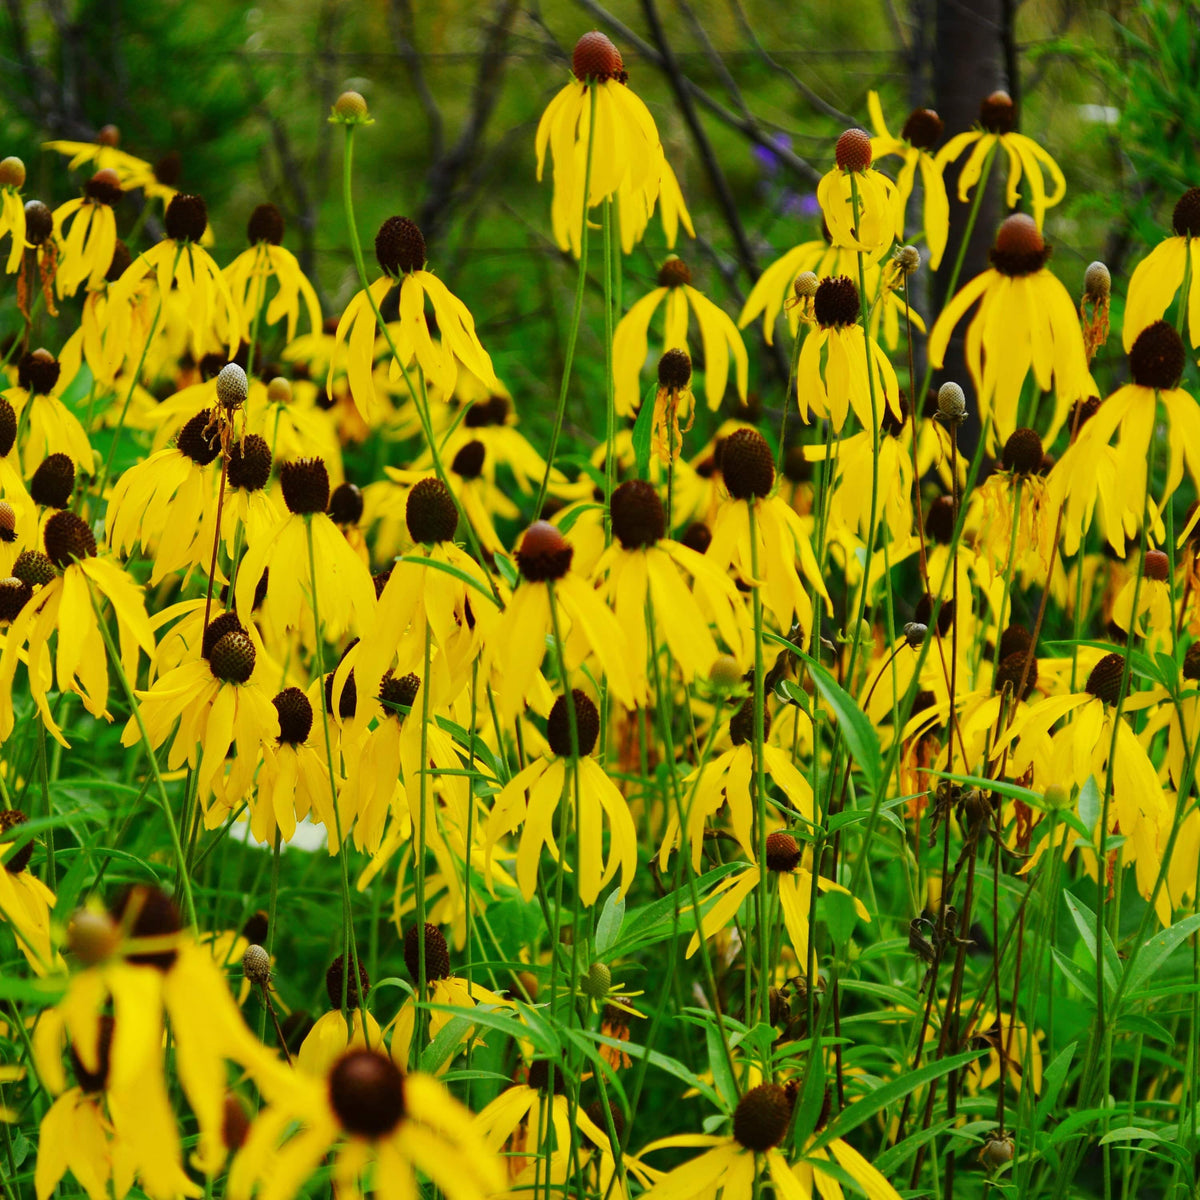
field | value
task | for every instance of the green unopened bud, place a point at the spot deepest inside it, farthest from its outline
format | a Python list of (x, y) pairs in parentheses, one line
[(597, 981), (725, 674), (350, 108), (1057, 797)]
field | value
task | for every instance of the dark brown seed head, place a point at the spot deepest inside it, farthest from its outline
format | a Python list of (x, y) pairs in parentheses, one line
[(1157, 357), (218, 627), (741, 724), (119, 263), (169, 169), (1009, 672), (1086, 410), (33, 567), (10, 818), (347, 704), (998, 113), (265, 225), (468, 462), (346, 504), (335, 980), (587, 725), (148, 912), (853, 151), (939, 520), (1023, 452), (674, 273), (38, 372), (39, 222), (674, 370), (1191, 662), (67, 538), (95, 1081), (697, 537), (109, 135), (249, 464), (437, 953), (1185, 220), (492, 411), (544, 553), (366, 1093), (305, 485), (1157, 566), (104, 187), (53, 481), (14, 593), (232, 658), (186, 217), (399, 692), (257, 927), (747, 465), (836, 303), (200, 439), (295, 716), (1104, 682), (542, 1079), (638, 519), (1020, 248), (761, 1117), (400, 246), (235, 1123), (1016, 638), (432, 515), (8, 426), (8, 522), (923, 129), (595, 57), (783, 851)]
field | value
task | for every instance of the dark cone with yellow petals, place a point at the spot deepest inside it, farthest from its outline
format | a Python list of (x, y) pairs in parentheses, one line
[(638, 519), (1157, 357), (836, 303), (295, 716), (305, 484), (346, 504), (148, 912), (366, 1093), (334, 983), (1104, 682), (38, 372), (587, 725), (14, 594), (53, 481), (595, 57), (249, 463), (10, 818), (33, 567), (232, 659), (674, 273), (431, 514), (762, 1117), (199, 439), (783, 851), (437, 953), (186, 217), (747, 465), (1185, 220), (265, 225), (400, 246), (67, 538), (468, 462), (544, 553)]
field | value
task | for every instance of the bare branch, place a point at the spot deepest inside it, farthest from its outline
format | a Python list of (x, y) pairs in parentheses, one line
[(403, 25), (714, 57)]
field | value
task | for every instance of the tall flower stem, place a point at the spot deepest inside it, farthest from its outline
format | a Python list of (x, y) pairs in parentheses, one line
[(573, 328), (760, 781), (349, 948), (610, 411), (419, 852)]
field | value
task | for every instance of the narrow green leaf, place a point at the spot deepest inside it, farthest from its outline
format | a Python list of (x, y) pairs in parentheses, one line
[(838, 909), (608, 927), (450, 569), (643, 431), (1085, 922), (853, 723), (1155, 952)]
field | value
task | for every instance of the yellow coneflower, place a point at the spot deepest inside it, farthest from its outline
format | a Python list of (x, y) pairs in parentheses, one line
[(212, 702), (141, 962), (67, 578), (842, 382), (103, 154), (627, 160), (545, 782), (47, 425), (730, 1164), (179, 261), (726, 779), (718, 334), (1154, 598), (445, 991), (400, 251), (536, 1100), (1160, 274), (267, 259), (1026, 321), (25, 901), (643, 565), (12, 210), (1120, 474), (371, 1115), (780, 541), (997, 117), (330, 1037), (586, 625), (879, 218), (346, 594), (921, 131), (88, 248)]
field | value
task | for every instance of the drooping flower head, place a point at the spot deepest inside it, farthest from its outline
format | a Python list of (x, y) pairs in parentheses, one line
[(870, 222), (1159, 275), (88, 248)]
